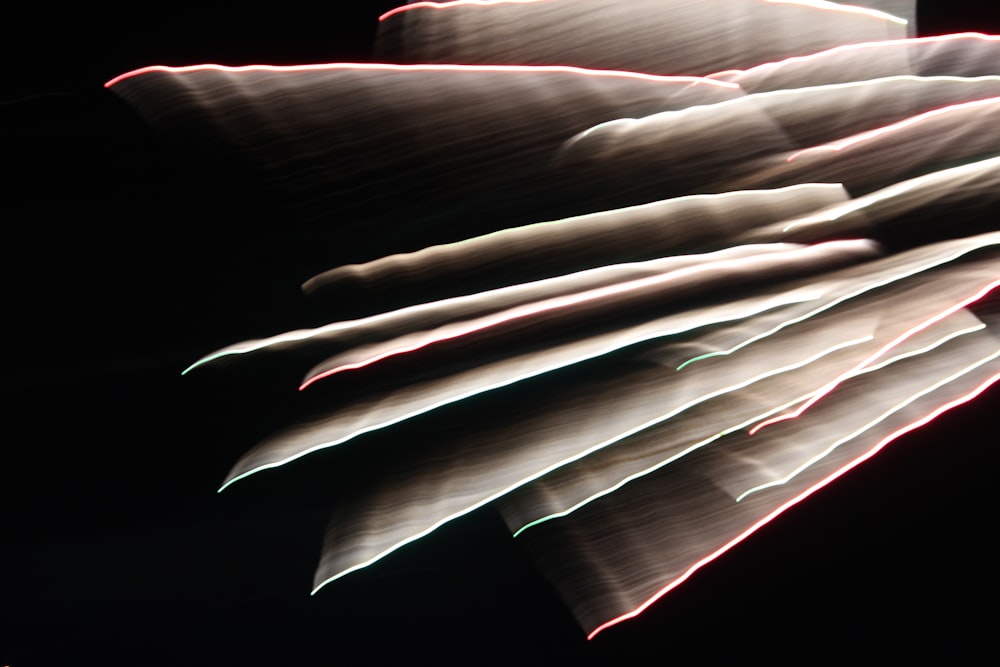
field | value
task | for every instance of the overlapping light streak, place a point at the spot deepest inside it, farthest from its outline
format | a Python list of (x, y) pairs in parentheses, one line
[(561, 31), (852, 294), (419, 397), (737, 427), (982, 387), (841, 7), (854, 434), (658, 287), (909, 333), (624, 246), (895, 127)]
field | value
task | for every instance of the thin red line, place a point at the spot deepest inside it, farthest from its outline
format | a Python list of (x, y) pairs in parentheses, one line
[(892, 127), (794, 501), (865, 45), (429, 67), (825, 391)]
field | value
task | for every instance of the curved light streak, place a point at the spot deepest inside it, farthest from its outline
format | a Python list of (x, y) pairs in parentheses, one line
[(838, 211), (432, 391), (566, 69), (833, 384), (819, 55), (885, 415), (795, 501), (839, 7), (555, 466), (547, 305), (837, 146), (814, 4), (832, 304), (699, 445), (407, 311), (798, 296), (453, 3), (732, 429)]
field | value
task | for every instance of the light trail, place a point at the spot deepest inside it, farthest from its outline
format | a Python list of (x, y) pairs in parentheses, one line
[(826, 389), (389, 67), (795, 501), (650, 206), (814, 4), (837, 146), (536, 371), (863, 290), (819, 55), (893, 191), (732, 429), (500, 141), (555, 466), (468, 301), (557, 303), (839, 7), (885, 415)]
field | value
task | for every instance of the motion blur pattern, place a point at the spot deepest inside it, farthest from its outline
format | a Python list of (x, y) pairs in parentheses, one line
[(640, 276)]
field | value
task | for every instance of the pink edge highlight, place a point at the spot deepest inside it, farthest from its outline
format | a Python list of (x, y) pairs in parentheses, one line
[(833, 384), (568, 69), (877, 132), (521, 312), (447, 5), (865, 45), (794, 501), (827, 6)]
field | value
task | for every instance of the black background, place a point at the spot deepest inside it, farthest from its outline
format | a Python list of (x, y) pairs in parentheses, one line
[(122, 264)]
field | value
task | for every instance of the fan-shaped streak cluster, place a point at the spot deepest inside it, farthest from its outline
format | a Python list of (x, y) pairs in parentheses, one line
[(657, 272)]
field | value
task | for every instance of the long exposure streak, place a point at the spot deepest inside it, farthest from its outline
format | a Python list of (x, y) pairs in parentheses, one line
[(537, 370), (825, 390), (577, 457), (737, 427), (795, 501), (894, 127), (388, 67), (578, 221), (893, 191), (838, 7), (542, 307), (890, 43), (454, 3), (885, 415), (863, 290)]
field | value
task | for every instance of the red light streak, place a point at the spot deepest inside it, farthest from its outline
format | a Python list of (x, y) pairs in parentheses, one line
[(529, 310), (863, 45), (907, 122), (568, 69), (794, 501), (825, 391)]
